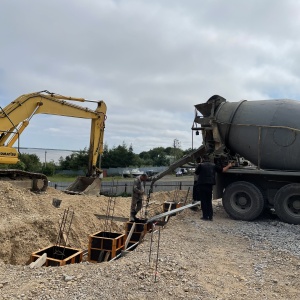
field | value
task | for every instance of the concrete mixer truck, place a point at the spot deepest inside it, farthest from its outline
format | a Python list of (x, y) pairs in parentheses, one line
[(263, 139)]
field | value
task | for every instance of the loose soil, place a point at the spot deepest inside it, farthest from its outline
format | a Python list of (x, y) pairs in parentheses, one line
[(196, 259)]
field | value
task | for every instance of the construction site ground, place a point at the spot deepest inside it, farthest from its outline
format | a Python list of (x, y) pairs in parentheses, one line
[(223, 259)]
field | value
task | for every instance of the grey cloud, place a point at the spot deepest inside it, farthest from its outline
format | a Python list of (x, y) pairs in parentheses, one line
[(150, 61)]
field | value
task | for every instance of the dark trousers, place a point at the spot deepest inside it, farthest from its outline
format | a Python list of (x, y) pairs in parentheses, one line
[(136, 206), (205, 196), (195, 191)]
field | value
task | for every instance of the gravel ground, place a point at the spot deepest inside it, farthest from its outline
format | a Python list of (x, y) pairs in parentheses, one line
[(223, 259)]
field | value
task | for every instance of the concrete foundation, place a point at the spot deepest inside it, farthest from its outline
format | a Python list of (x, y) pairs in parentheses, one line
[(139, 231), (174, 205), (58, 256), (104, 246)]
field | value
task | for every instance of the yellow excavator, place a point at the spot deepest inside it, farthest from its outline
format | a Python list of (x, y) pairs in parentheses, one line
[(15, 117)]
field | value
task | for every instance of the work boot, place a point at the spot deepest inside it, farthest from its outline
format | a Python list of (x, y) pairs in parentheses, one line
[(132, 218), (137, 220)]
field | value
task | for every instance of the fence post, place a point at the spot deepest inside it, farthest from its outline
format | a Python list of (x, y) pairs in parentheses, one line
[(180, 185), (125, 187)]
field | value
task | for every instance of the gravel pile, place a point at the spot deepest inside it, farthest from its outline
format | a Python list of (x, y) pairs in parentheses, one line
[(192, 259), (269, 235), (223, 259)]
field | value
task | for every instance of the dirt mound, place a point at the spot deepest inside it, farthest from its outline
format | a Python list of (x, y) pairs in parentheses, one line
[(29, 221)]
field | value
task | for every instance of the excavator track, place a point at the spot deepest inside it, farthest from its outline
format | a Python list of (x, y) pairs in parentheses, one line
[(37, 182)]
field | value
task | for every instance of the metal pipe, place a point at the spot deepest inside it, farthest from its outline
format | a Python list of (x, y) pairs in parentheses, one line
[(132, 246), (120, 254), (172, 212)]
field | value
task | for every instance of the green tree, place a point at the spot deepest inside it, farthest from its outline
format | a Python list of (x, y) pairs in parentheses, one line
[(121, 156), (169, 150), (76, 161), (138, 162), (146, 159), (161, 160), (20, 166), (158, 156), (49, 168), (131, 157), (187, 151), (31, 162), (80, 160), (66, 164), (176, 152), (27, 162)]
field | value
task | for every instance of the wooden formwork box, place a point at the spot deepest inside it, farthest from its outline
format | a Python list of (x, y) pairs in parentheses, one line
[(139, 231), (174, 205), (58, 256), (104, 246)]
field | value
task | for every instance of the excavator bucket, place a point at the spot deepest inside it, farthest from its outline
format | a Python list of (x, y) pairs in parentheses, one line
[(84, 185)]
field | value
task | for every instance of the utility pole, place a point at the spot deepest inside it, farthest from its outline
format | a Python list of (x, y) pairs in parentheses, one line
[(176, 145)]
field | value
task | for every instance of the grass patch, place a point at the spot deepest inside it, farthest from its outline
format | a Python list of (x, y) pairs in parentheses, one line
[(124, 194), (61, 178), (115, 178)]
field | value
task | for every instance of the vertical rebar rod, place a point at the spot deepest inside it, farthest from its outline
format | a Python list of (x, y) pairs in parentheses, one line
[(157, 254), (70, 223), (151, 241), (61, 227), (64, 228), (110, 209), (186, 197)]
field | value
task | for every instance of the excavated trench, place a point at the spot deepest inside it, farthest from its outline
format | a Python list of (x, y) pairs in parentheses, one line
[(106, 246), (30, 223)]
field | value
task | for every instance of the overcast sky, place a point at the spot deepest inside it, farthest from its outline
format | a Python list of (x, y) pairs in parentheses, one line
[(150, 61)]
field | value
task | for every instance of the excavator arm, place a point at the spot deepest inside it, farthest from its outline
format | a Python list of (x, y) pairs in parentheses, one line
[(15, 117)]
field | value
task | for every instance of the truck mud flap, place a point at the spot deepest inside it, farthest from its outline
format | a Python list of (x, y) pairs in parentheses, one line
[(84, 185)]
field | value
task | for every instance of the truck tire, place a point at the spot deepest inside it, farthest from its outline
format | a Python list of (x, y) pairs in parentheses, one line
[(242, 200), (287, 203)]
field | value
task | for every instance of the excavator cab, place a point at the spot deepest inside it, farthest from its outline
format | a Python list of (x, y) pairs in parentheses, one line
[(8, 155)]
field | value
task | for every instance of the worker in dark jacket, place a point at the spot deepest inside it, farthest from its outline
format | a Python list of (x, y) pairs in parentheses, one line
[(206, 172)]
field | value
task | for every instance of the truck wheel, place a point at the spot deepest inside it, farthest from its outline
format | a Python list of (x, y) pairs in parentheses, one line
[(243, 201), (287, 203)]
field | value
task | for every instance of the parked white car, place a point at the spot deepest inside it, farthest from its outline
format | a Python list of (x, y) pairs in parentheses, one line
[(179, 173)]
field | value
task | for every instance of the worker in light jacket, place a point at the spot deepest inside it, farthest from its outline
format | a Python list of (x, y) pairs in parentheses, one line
[(206, 172), (138, 191)]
